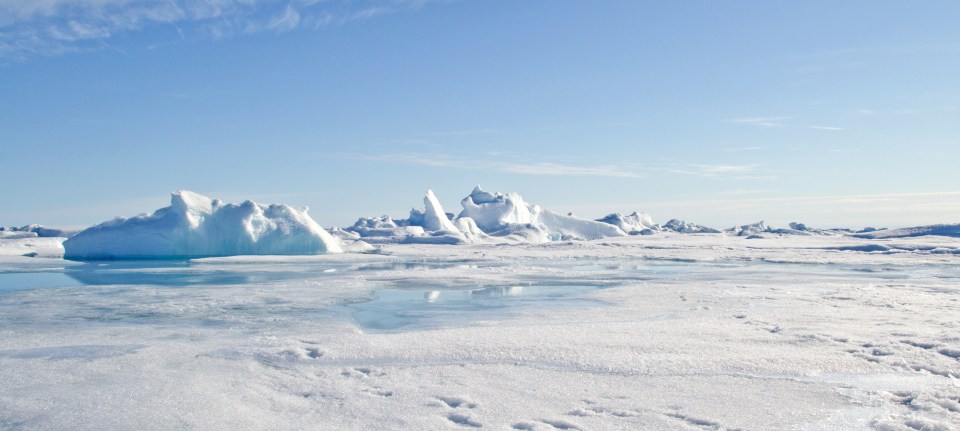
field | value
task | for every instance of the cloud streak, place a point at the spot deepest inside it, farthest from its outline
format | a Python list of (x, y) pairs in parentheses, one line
[(513, 167), (714, 170), (760, 121), (49, 27)]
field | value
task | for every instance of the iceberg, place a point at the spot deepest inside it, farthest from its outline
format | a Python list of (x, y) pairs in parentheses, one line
[(495, 211), (507, 215), (680, 226), (430, 225), (197, 226), (384, 228), (749, 230), (565, 227), (634, 224)]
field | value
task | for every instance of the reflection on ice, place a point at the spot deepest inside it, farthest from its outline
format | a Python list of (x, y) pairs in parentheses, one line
[(403, 308), (434, 295), (185, 273), (10, 282)]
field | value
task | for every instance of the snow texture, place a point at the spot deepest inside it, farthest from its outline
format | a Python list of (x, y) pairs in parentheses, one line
[(197, 226), (950, 230), (670, 331)]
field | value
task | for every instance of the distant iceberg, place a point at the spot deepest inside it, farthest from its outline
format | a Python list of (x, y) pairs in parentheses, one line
[(485, 216), (636, 223), (680, 226), (950, 230), (507, 215), (197, 226)]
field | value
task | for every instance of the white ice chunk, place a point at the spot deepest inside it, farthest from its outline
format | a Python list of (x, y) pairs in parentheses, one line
[(494, 211), (197, 226), (634, 223)]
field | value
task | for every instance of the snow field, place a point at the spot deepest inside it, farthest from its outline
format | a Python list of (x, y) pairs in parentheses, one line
[(679, 332)]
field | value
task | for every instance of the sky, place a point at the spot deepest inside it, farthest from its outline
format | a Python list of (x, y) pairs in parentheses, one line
[(831, 113)]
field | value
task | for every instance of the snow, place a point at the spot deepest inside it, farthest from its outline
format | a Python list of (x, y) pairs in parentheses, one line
[(434, 218), (950, 230), (197, 226), (635, 223), (749, 229), (565, 227), (486, 216), (494, 212), (668, 331), (680, 226), (35, 230)]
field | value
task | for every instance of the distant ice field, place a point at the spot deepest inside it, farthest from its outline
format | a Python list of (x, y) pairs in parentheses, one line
[(695, 332)]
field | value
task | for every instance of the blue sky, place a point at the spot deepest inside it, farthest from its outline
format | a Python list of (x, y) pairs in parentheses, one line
[(831, 113)]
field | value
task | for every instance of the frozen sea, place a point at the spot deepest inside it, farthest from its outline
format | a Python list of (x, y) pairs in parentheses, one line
[(686, 332)]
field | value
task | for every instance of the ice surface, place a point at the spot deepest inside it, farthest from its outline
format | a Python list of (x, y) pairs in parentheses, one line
[(197, 226), (667, 331), (951, 230)]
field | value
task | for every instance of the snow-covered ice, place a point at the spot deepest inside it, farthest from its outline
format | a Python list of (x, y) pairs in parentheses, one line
[(197, 226), (633, 224), (666, 331)]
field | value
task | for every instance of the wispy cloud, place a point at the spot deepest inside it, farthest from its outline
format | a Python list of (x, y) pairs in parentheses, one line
[(499, 165), (45, 27), (713, 170), (741, 149), (825, 128), (761, 121)]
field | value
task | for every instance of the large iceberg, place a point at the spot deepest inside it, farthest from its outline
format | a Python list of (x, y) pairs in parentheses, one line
[(494, 211), (507, 215), (197, 226)]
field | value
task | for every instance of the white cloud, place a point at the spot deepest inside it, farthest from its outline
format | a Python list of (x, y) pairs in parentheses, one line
[(714, 170), (289, 20), (825, 128), (760, 121), (741, 149), (45, 27)]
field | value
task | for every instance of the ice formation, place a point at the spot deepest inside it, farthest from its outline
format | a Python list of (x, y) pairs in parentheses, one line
[(197, 226), (35, 231), (493, 212), (434, 219), (749, 230), (485, 215), (633, 224), (561, 226), (675, 225), (507, 215), (951, 230)]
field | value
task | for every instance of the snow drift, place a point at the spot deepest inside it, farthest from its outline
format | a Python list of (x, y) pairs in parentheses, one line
[(197, 226), (500, 214), (636, 223), (680, 226), (951, 230)]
